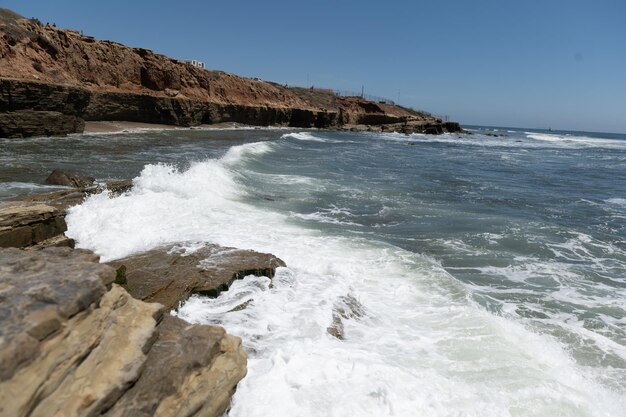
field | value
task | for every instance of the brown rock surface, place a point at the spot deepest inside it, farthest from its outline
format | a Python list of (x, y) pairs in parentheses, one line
[(193, 378), (170, 275), (25, 224), (69, 179), (45, 70), (69, 346), (38, 221)]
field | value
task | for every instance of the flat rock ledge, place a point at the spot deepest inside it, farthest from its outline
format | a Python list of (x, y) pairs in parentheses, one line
[(24, 224), (170, 274), (38, 221), (73, 343)]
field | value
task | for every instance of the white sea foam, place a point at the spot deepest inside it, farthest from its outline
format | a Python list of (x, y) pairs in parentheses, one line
[(617, 201), (418, 346), (303, 136), (308, 137), (577, 141)]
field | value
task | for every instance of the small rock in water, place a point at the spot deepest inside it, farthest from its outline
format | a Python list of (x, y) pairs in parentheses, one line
[(69, 179)]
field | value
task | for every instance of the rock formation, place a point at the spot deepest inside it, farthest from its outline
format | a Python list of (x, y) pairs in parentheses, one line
[(52, 80), (169, 275), (69, 179), (74, 344), (25, 224), (38, 221)]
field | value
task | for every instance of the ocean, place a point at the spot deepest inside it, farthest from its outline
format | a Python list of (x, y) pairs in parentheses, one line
[(453, 275)]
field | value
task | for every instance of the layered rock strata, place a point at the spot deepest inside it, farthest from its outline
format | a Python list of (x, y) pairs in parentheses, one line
[(38, 221), (52, 80), (25, 224), (74, 344)]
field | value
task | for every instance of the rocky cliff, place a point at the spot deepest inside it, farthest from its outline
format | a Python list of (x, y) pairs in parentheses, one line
[(72, 343), (52, 80)]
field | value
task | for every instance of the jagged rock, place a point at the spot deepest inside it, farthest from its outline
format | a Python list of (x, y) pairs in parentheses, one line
[(25, 224), (192, 380), (70, 346), (69, 179), (345, 308), (170, 275)]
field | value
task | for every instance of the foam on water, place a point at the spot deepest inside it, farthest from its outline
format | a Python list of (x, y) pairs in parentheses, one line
[(617, 201), (309, 137), (412, 341), (577, 141)]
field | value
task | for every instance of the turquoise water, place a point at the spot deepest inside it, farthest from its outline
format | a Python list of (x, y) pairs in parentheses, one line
[(490, 271)]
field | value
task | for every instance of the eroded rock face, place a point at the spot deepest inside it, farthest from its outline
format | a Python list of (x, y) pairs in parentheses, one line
[(25, 224), (63, 78), (74, 344), (186, 370), (169, 275)]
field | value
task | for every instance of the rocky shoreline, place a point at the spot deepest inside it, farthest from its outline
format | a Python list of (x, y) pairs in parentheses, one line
[(54, 80), (83, 338)]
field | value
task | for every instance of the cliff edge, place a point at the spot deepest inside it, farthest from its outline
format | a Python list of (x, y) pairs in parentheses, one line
[(52, 80)]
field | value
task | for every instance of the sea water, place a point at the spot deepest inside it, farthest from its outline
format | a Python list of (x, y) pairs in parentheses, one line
[(452, 275)]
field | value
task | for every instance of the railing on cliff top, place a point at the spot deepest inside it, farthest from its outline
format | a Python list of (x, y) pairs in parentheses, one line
[(347, 93), (369, 97)]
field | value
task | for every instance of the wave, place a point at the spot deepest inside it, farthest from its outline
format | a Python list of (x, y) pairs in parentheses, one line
[(577, 141), (351, 326), (308, 137), (617, 201)]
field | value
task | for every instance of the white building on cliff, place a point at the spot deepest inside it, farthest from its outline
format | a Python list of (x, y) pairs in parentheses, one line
[(194, 62)]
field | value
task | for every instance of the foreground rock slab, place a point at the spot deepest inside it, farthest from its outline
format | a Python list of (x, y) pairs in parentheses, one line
[(169, 275), (74, 344)]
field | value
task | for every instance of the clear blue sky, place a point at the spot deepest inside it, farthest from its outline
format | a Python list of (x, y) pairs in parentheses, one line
[(524, 63)]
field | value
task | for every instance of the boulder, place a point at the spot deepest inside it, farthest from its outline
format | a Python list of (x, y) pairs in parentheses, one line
[(72, 343), (169, 275), (69, 179), (201, 361)]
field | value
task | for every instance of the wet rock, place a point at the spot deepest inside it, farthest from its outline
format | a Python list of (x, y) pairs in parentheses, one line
[(345, 308), (72, 343), (169, 275), (69, 179)]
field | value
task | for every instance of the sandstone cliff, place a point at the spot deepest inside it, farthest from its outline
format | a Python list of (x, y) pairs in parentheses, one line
[(52, 80)]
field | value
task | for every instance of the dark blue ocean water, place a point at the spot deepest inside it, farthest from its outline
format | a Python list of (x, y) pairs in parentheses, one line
[(491, 265)]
